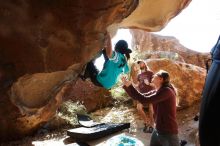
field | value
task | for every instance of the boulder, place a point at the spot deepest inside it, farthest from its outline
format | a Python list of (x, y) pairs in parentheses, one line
[(156, 46), (39, 39), (188, 79), (33, 100), (91, 96)]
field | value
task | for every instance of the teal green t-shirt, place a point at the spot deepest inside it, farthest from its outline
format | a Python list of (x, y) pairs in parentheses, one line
[(108, 77)]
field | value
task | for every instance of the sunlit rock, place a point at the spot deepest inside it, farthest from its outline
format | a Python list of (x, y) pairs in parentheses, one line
[(153, 15), (43, 38), (156, 46), (34, 100), (46, 37)]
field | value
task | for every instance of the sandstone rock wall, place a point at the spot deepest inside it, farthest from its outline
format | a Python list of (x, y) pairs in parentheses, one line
[(156, 46), (44, 37), (91, 96)]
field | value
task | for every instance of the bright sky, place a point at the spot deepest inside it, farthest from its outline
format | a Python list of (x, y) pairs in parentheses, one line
[(122, 34), (197, 27)]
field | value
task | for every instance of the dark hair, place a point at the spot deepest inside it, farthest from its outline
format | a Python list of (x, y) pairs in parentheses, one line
[(146, 67), (166, 83), (166, 78), (122, 47)]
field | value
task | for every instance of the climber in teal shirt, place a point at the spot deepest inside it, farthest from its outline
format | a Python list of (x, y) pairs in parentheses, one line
[(115, 64), (108, 77)]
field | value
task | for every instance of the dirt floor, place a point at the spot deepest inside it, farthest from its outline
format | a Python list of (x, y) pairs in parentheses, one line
[(121, 113)]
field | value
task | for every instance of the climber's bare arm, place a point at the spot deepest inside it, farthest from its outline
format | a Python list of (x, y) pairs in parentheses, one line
[(108, 45)]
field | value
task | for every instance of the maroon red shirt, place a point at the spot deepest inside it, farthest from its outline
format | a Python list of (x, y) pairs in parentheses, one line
[(164, 103), (142, 87)]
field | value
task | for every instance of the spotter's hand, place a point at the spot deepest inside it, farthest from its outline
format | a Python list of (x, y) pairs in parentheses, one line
[(125, 81)]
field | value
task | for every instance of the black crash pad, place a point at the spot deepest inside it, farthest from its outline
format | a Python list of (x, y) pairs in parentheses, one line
[(98, 131)]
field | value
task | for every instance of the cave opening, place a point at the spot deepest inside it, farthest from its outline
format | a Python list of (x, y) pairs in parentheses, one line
[(69, 44), (121, 34)]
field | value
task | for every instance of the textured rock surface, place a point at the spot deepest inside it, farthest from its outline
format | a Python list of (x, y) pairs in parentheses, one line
[(156, 46), (153, 16), (188, 79), (91, 96), (32, 101), (47, 36)]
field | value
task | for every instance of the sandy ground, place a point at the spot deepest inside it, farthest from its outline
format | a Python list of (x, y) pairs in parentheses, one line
[(58, 137)]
